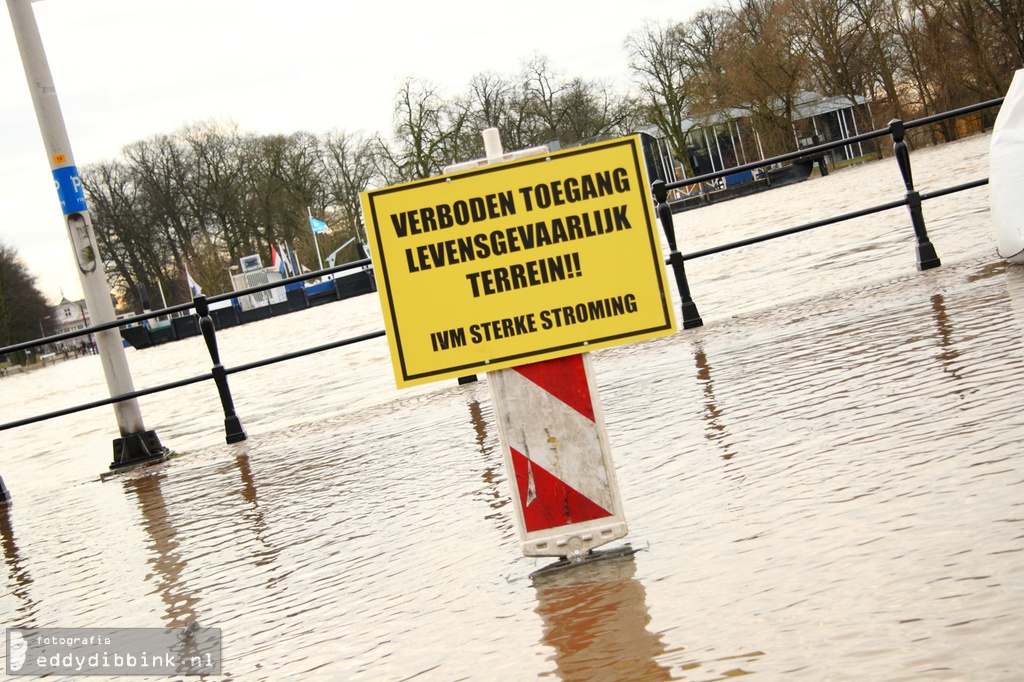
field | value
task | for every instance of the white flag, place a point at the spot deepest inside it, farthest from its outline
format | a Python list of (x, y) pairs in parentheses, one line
[(192, 286)]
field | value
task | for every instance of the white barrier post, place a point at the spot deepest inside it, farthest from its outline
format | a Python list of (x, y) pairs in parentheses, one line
[(554, 441), (557, 457)]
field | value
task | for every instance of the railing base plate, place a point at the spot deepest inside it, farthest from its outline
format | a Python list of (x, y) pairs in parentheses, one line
[(927, 258), (138, 448), (591, 557)]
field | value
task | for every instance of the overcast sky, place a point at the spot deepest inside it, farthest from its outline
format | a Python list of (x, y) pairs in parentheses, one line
[(126, 70)]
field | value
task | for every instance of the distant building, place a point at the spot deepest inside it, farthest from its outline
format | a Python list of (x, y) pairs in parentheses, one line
[(71, 316), (728, 138)]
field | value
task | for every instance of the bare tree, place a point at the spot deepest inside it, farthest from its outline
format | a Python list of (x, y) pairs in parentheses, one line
[(569, 110), (161, 167), (1008, 17), (135, 255), (883, 55), (206, 195), (765, 69), (215, 198), (350, 168), (705, 60), (661, 68), (427, 132), (836, 43), (974, 52)]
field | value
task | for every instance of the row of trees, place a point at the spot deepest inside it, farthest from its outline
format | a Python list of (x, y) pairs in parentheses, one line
[(204, 196), (208, 194), (908, 57), (201, 198)]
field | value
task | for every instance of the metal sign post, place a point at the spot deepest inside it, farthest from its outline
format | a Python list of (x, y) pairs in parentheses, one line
[(555, 445), (538, 258)]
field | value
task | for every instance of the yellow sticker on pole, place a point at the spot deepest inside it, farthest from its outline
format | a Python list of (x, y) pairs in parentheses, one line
[(518, 262)]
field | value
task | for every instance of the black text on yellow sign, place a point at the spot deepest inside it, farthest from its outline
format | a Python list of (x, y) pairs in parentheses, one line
[(518, 262)]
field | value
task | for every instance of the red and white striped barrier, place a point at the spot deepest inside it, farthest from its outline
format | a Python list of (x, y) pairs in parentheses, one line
[(555, 445)]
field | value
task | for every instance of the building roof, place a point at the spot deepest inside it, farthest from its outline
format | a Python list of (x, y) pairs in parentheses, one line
[(808, 104)]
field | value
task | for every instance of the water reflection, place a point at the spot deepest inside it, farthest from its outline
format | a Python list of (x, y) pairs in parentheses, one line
[(948, 353), (1015, 289), (492, 475), (168, 561), (712, 413), (254, 512), (16, 570), (595, 618), (248, 490)]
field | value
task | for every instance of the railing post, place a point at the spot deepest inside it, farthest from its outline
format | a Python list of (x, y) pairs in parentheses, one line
[(691, 318), (926, 256), (233, 430)]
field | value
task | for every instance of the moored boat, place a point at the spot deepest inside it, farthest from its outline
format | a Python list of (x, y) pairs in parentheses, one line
[(234, 312), (744, 184)]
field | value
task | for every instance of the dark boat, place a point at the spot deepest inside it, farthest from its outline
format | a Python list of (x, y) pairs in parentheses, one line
[(744, 184), (230, 313)]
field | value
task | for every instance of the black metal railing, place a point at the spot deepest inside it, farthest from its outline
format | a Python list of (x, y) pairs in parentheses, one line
[(232, 424), (234, 431), (926, 256)]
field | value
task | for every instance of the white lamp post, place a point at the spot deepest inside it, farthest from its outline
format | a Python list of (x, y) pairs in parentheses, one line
[(136, 443)]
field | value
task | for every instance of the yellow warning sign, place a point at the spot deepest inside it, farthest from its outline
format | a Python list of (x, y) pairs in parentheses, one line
[(518, 262)]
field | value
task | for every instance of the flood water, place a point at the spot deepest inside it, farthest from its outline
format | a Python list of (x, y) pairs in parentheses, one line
[(826, 479)]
